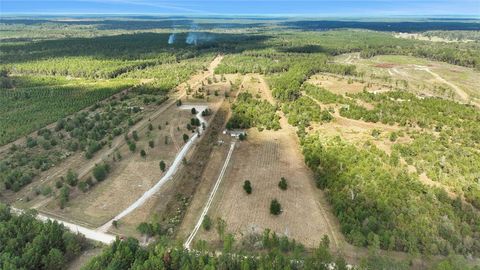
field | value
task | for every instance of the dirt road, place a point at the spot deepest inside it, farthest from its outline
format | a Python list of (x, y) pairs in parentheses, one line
[(166, 177), (210, 198), (88, 233)]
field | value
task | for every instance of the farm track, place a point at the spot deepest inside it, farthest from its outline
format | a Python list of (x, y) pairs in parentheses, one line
[(264, 158), (99, 235), (210, 198)]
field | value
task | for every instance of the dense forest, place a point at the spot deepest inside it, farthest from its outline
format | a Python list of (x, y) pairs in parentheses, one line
[(30, 244), (248, 112)]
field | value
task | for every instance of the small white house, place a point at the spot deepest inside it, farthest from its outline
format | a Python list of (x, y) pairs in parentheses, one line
[(235, 132)]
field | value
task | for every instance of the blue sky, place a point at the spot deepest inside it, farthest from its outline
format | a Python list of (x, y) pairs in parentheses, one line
[(372, 8)]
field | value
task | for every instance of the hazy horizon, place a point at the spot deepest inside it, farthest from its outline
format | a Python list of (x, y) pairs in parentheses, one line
[(268, 8)]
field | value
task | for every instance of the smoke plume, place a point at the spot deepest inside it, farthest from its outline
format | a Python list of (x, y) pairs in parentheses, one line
[(171, 39)]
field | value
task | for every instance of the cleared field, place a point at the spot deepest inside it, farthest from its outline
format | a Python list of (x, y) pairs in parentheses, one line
[(133, 174), (342, 86), (263, 159), (419, 75)]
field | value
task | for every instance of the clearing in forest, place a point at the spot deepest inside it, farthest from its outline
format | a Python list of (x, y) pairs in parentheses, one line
[(263, 159), (421, 76)]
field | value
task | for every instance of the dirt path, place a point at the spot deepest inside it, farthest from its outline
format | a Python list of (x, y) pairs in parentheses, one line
[(99, 234), (88, 233), (210, 198), (457, 89), (196, 80)]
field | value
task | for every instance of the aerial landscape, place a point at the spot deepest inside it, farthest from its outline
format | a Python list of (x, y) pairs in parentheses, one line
[(239, 134)]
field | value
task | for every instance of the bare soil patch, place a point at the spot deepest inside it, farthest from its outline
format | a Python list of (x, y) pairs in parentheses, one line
[(384, 65), (343, 85)]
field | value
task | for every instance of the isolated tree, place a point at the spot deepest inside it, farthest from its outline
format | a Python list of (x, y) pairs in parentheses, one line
[(162, 165), (283, 184), (100, 172), (194, 111), (247, 186), (179, 103), (150, 126), (115, 224), (207, 223), (72, 178), (275, 207), (151, 144), (132, 146), (185, 137), (64, 196), (143, 153)]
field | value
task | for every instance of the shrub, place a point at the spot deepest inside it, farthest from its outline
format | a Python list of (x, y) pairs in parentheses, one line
[(162, 165), (83, 186), (247, 186), (31, 142), (151, 144), (143, 153), (275, 207), (132, 146), (207, 223), (100, 171), (64, 196), (283, 184), (135, 135), (393, 136), (72, 178)]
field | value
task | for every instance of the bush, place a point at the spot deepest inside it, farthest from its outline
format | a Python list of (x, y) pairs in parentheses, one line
[(151, 144), (393, 136), (100, 171), (283, 184), (247, 186), (207, 223), (72, 178), (143, 153), (64, 196), (132, 146), (31, 142), (135, 135), (83, 186), (59, 183), (162, 165), (275, 207)]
